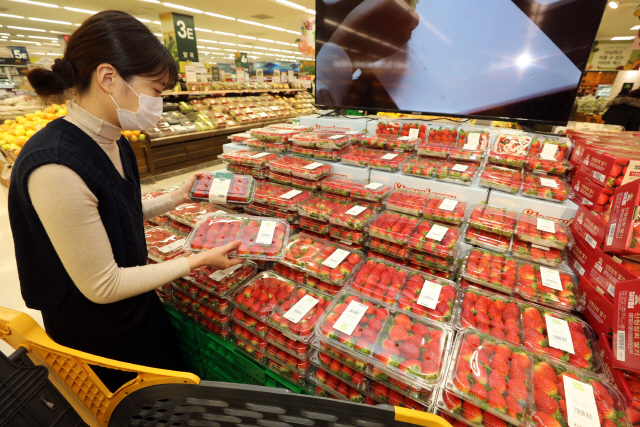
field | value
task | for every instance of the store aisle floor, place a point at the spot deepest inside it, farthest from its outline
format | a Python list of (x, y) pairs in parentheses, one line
[(9, 285)]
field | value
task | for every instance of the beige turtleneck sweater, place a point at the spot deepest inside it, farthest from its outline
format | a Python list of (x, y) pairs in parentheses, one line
[(69, 213)]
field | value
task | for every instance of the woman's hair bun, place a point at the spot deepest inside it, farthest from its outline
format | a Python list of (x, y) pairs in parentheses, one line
[(55, 81)]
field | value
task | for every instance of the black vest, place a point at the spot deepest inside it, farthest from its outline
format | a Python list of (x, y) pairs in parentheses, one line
[(44, 281)]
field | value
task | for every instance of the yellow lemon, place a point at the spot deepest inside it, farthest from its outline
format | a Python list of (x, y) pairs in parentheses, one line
[(21, 140), (136, 132), (30, 133), (11, 139), (8, 122), (38, 113), (17, 151), (127, 134), (55, 107), (133, 138), (142, 137), (21, 132)]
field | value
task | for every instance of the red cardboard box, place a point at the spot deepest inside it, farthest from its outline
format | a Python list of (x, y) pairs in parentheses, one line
[(615, 376), (598, 312), (606, 272), (588, 193), (612, 168), (623, 236), (626, 333), (589, 227), (579, 257)]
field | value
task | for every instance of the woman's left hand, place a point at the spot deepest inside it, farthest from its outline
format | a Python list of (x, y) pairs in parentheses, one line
[(181, 195)]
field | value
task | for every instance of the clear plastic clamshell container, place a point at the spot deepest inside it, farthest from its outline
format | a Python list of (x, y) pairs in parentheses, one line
[(460, 413), (544, 166), (372, 191), (228, 188), (221, 282), (391, 142), (393, 226), (320, 227), (319, 207), (273, 135), (279, 178), (490, 269), (319, 258), (163, 245), (550, 147), (542, 231), (303, 184), (205, 298), (511, 149), (472, 144), (323, 140), (407, 201), (440, 132), (334, 366), (244, 170), (352, 214), (445, 264), (305, 279), (190, 213), (347, 234), (300, 168), (281, 196), (335, 386), (261, 238), (528, 251), (380, 280), (457, 172), (548, 286), (501, 178), (249, 158), (442, 209), (436, 239), (395, 251), (493, 219), (487, 240), (546, 187), (434, 149), (420, 166), (388, 161)]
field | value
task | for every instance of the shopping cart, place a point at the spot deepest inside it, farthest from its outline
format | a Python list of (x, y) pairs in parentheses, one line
[(45, 384)]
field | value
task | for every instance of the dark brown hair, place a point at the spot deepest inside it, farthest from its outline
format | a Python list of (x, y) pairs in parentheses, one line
[(109, 37)]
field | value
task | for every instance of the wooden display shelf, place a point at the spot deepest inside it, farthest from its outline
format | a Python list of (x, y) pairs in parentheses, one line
[(223, 92)]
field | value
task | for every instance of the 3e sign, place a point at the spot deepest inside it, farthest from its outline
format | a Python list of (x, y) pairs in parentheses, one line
[(179, 34), (184, 32)]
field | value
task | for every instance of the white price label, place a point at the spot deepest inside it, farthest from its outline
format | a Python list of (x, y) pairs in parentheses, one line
[(265, 233), (263, 114), (429, 295), (586, 201), (437, 232), (350, 318), (448, 204), (220, 187), (389, 156), (290, 194), (336, 136), (374, 185), (356, 210), (578, 268), (549, 151), (460, 168), (559, 334), (353, 132), (413, 133), (543, 248), (336, 258), (591, 241), (218, 213), (221, 274), (313, 166), (545, 225), (600, 177), (546, 182), (257, 156), (551, 278), (581, 403), (403, 138), (171, 246), (473, 140), (300, 309)]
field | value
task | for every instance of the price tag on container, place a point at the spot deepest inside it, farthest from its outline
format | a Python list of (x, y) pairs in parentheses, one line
[(265, 233), (350, 318), (220, 187), (549, 151), (437, 232), (336, 258), (389, 156), (429, 294), (413, 133), (374, 185), (582, 410), (551, 278), (559, 334), (313, 166), (356, 210), (221, 274), (460, 168), (257, 156), (290, 194), (336, 136), (448, 204), (545, 225), (172, 246), (300, 309), (546, 182)]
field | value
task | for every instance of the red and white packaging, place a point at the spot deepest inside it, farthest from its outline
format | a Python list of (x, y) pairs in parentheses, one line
[(615, 376), (624, 225), (589, 228), (606, 272), (588, 193), (579, 256), (626, 333), (610, 168), (598, 311)]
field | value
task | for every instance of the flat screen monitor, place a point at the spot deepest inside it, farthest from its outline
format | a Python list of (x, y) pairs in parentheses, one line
[(497, 59)]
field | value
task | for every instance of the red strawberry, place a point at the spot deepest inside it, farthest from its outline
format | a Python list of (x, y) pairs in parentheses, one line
[(496, 401), (409, 350), (517, 388), (514, 410), (479, 391), (403, 320), (398, 333), (471, 413), (453, 402), (546, 403), (321, 376), (462, 383), (491, 420), (545, 420), (497, 381)]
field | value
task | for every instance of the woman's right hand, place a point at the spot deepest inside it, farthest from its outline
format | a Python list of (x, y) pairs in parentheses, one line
[(216, 257)]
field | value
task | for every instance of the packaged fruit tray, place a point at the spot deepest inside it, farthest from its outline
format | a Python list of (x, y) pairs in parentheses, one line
[(388, 161), (548, 286), (221, 283), (190, 213), (531, 252), (501, 178), (204, 322), (356, 246), (261, 238), (304, 184), (328, 385), (300, 168), (384, 339), (251, 344), (434, 149), (541, 231), (436, 239), (490, 269), (305, 279), (255, 144), (390, 391), (302, 151), (474, 139), (223, 188), (458, 173), (554, 147), (323, 140), (395, 251), (357, 364), (163, 245), (319, 207), (407, 201), (314, 225), (177, 228), (390, 142), (510, 149), (281, 196), (244, 170), (493, 375), (464, 413), (487, 240), (380, 280), (250, 158), (331, 155), (335, 367), (372, 191), (393, 226), (279, 178), (426, 295), (357, 156), (273, 135), (353, 215), (557, 167), (546, 187), (182, 288), (276, 147), (493, 219), (439, 132), (420, 166), (446, 264), (558, 386), (319, 258), (289, 362), (445, 210), (222, 321), (240, 138), (347, 235), (447, 275), (250, 322)]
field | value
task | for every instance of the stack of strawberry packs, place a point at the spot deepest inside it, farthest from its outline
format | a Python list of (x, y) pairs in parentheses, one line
[(324, 145), (299, 172)]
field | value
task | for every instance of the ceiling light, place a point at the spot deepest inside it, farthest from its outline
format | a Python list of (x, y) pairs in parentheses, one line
[(215, 15), (158, 34), (207, 41), (75, 9), (11, 16), (225, 34), (52, 44), (311, 11), (5, 34), (27, 29), (51, 21), (258, 47), (613, 4), (57, 32), (290, 4), (44, 38), (257, 53), (26, 41), (157, 22), (274, 28), (146, 21), (293, 32), (244, 21), (230, 44), (36, 3), (54, 54), (151, 1), (274, 50), (623, 38), (230, 50), (637, 27), (177, 6), (216, 48), (266, 40), (293, 44), (200, 47), (37, 53), (20, 35), (246, 37), (245, 45), (203, 30)]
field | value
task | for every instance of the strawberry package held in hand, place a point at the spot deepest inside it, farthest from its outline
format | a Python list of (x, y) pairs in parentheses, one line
[(541, 231), (261, 238), (223, 188), (531, 252), (546, 187), (163, 245), (445, 210), (548, 286), (249, 158), (501, 178), (458, 173), (510, 149), (490, 269), (319, 258), (493, 219)]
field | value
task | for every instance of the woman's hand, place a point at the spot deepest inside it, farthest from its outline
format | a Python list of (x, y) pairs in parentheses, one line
[(181, 195), (216, 257)]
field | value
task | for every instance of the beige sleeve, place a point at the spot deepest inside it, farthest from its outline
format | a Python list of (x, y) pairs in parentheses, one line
[(69, 213), (151, 208)]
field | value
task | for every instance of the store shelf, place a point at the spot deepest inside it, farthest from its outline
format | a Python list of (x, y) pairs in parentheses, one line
[(224, 92)]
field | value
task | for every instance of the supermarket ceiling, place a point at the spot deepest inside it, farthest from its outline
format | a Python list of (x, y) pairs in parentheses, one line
[(222, 27)]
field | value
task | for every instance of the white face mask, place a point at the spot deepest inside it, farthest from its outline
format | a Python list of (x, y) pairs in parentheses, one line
[(147, 116)]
